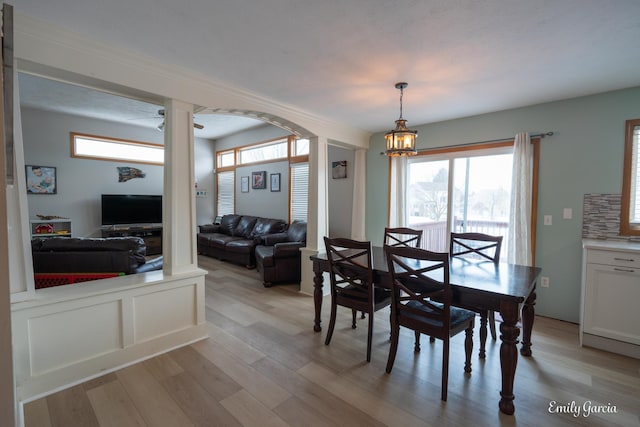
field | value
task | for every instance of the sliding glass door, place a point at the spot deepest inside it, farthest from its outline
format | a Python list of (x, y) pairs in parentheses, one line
[(460, 191)]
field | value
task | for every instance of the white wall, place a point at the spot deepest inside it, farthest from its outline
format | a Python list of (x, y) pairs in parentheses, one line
[(80, 182)]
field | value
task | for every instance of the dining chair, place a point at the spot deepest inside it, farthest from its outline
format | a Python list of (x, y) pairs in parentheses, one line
[(482, 247), (419, 277), (402, 236), (351, 278)]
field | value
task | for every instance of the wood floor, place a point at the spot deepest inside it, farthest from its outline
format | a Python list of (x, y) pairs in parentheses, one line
[(264, 366)]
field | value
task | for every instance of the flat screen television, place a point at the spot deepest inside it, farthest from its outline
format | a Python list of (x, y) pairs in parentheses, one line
[(131, 209)]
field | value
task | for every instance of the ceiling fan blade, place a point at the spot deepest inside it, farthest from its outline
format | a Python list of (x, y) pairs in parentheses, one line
[(198, 126)]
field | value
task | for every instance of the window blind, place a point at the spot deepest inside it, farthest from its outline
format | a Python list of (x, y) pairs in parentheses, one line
[(299, 191), (226, 193)]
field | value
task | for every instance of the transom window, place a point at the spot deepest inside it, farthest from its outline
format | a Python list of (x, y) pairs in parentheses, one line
[(117, 150)]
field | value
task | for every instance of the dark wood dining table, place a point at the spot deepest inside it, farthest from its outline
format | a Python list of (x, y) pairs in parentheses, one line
[(505, 288)]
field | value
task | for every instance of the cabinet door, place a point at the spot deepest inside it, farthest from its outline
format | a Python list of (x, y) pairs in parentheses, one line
[(612, 295)]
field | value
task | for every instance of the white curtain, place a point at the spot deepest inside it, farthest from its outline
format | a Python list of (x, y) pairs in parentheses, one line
[(397, 196), (519, 237)]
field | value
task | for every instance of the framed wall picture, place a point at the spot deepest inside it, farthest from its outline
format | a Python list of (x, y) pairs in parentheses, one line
[(244, 184), (259, 180), (41, 180), (275, 182), (339, 169)]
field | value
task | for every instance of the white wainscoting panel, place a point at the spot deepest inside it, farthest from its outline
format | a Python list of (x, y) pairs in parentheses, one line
[(60, 339), (68, 334), (160, 313)]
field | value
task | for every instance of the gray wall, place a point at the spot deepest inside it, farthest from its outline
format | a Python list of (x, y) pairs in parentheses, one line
[(261, 202), (584, 156), (340, 193), (80, 182)]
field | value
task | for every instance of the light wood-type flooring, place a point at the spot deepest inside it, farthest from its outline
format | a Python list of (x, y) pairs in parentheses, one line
[(263, 365)]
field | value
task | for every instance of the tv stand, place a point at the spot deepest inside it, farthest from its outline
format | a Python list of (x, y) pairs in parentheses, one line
[(150, 233)]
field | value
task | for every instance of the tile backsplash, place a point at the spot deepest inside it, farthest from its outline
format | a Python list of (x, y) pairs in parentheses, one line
[(601, 218)]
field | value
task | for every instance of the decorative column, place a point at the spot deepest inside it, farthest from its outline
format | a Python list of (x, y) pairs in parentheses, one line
[(179, 223), (317, 217), (358, 222)]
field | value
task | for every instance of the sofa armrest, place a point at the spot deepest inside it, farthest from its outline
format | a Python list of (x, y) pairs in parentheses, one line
[(287, 249), (209, 228), (272, 239)]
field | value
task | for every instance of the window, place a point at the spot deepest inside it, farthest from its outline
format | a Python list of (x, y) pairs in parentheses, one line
[(630, 214), (105, 148), (273, 150), (226, 159), (225, 201), (461, 191), (299, 191), (300, 147)]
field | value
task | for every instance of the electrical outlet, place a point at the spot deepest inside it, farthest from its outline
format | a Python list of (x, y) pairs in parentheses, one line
[(548, 220), (544, 282)]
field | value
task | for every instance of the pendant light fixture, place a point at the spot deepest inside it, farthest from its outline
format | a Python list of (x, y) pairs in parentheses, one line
[(401, 141)]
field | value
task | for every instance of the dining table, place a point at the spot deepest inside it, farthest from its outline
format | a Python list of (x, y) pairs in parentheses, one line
[(479, 284)]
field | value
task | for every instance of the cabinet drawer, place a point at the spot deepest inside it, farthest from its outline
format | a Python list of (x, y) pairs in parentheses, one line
[(621, 259)]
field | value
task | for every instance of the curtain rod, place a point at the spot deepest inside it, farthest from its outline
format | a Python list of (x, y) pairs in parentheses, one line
[(470, 144)]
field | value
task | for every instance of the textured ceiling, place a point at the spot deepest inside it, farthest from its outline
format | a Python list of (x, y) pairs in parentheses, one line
[(340, 59)]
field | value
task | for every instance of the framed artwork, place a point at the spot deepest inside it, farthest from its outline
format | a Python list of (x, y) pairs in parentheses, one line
[(275, 182), (41, 180), (339, 169), (244, 184), (259, 180)]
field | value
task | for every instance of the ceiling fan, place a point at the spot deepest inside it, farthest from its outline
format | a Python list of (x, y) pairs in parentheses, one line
[(160, 127)]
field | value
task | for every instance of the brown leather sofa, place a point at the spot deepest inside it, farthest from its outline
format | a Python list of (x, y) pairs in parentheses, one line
[(236, 237), (78, 255), (278, 257)]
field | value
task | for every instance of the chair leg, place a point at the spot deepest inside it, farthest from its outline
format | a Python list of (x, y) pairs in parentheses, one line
[(483, 334), (332, 324), (468, 347), (416, 345), (353, 321), (362, 315), (395, 334), (492, 323), (445, 368), (369, 336)]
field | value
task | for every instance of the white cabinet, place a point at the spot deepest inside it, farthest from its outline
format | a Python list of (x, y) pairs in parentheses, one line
[(610, 317), (50, 227)]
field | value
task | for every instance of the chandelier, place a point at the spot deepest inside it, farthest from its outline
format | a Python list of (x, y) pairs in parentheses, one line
[(401, 141)]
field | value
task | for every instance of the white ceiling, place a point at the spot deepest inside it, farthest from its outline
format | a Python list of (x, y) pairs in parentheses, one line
[(340, 59)]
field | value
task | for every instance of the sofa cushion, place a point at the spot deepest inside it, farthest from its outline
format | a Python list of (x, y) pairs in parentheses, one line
[(228, 223), (264, 255), (240, 246), (297, 231), (245, 226), (220, 240), (266, 226)]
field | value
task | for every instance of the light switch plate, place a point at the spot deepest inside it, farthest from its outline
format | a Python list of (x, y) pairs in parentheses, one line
[(567, 213), (548, 220)]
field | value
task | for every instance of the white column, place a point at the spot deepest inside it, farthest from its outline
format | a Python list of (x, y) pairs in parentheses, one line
[(317, 218), (179, 223), (359, 195)]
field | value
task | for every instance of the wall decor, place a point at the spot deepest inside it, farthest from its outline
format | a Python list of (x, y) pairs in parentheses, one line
[(41, 179), (259, 180), (244, 184), (125, 173), (339, 169), (275, 182)]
